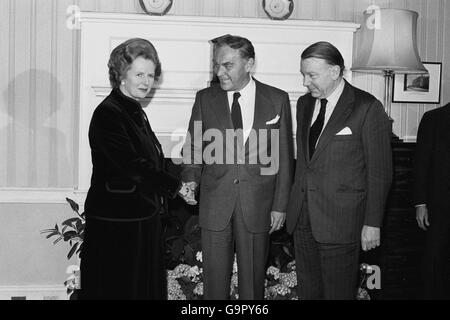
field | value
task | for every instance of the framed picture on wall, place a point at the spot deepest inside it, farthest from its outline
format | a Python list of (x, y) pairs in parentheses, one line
[(419, 88)]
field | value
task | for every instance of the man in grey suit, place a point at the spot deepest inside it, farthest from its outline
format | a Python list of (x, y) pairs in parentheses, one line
[(239, 151), (342, 177)]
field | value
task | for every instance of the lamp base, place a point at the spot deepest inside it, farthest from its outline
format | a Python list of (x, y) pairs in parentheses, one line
[(394, 137)]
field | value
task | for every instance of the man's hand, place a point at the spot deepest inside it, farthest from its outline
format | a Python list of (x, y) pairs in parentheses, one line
[(422, 217), (370, 238), (187, 192), (276, 220)]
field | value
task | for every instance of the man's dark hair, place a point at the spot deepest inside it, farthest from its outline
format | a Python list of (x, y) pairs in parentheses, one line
[(326, 51), (244, 45)]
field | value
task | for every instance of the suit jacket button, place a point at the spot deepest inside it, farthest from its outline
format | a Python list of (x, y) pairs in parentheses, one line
[(236, 181)]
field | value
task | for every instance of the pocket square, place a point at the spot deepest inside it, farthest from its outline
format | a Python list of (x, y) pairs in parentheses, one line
[(274, 120), (344, 132)]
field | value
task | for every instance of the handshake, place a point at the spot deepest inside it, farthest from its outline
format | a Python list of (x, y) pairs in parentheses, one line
[(187, 192)]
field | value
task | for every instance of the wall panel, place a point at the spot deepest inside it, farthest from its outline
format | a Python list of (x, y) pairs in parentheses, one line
[(39, 108), (5, 53), (39, 97)]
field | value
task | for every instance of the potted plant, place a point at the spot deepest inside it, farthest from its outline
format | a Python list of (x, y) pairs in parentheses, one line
[(71, 231)]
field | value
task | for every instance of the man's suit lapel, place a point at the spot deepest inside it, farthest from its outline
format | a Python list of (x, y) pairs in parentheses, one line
[(340, 114), (306, 125), (222, 109), (263, 108), (262, 111)]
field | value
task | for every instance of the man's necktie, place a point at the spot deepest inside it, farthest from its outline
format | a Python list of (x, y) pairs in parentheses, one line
[(317, 127), (236, 115)]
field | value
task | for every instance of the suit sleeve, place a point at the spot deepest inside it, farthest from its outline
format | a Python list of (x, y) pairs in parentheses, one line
[(422, 162), (299, 119), (376, 135), (109, 136), (286, 158), (193, 146)]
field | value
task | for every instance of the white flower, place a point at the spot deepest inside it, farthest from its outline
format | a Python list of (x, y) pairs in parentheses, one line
[(291, 265), (73, 281), (199, 256), (234, 283), (235, 267), (193, 273), (174, 290), (289, 279), (198, 290), (275, 272), (280, 289), (181, 270), (72, 269)]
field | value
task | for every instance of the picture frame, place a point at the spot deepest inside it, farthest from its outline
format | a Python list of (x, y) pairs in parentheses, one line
[(419, 88)]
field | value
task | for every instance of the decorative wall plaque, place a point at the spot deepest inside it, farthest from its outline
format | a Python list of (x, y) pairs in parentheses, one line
[(156, 7), (278, 9)]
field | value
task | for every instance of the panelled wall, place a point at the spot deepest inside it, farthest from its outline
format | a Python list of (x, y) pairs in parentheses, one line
[(39, 63), (39, 108)]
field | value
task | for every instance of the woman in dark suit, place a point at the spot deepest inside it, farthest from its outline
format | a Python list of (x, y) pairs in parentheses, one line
[(123, 250)]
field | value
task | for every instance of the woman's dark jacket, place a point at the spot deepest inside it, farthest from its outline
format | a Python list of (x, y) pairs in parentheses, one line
[(129, 180)]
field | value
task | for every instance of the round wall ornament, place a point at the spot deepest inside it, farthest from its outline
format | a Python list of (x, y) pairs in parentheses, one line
[(156, 7), (278, 9)]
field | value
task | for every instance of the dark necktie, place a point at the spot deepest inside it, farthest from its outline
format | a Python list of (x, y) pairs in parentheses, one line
[(236, 115), (317, 127)]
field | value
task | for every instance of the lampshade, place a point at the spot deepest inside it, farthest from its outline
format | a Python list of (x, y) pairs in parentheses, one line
[(389, 42)]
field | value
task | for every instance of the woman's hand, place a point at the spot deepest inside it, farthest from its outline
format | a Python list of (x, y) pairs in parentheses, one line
[(187, 192)]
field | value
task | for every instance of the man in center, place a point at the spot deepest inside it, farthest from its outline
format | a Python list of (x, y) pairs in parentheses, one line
[(243, 197)]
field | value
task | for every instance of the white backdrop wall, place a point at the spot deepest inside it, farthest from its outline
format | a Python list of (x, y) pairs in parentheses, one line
[(39, 110), (40, 59)]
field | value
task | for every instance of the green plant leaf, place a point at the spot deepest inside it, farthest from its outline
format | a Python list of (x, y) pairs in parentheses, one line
[(52, 234), (72, 251), (57, 240), (287, 251), (75, 207), (47, 231), (168, 239), (177, 248), (189, 254), (70, 235), (70, 222), (79, 225)]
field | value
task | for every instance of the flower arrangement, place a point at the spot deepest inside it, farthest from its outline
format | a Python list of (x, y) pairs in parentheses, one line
[(71, 230), (184, 261), (185, 282), (185, 274), (281, 285)]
